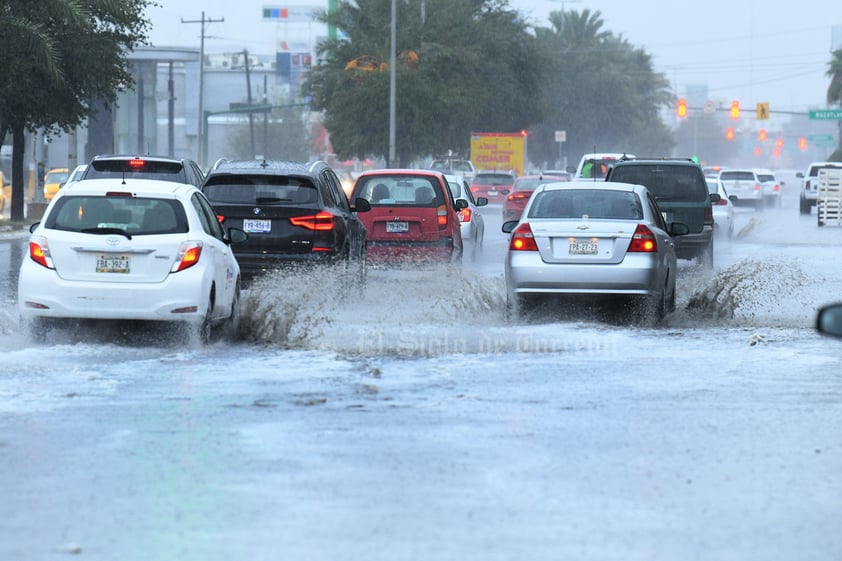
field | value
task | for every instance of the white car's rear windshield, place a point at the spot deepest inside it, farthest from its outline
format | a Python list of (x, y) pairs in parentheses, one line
[(132, 215)]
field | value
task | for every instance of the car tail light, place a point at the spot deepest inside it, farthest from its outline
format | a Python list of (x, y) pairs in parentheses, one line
[(776, 188), (136, 163), (441, 215), (39, 251), (518, 196), (465, 215), (757, 187), (188, 255), (220, 218), (708, 217), (522, 239), (321, 221), (643, 240)]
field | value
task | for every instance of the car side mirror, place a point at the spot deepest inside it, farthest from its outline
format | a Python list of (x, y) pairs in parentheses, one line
[(733, 198), (461, 204), (829, 320), (715, 198), (679, 228), (361, 205), (236, 235), (481, 201), (509, 226)]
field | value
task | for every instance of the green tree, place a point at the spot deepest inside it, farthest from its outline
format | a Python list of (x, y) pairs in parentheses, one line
[(834, 72), (60, 56), (600, 89), (464, 65)]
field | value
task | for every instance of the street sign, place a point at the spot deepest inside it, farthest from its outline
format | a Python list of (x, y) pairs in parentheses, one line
[(823, 140), (763, 111), (826, 114), (561, 136)]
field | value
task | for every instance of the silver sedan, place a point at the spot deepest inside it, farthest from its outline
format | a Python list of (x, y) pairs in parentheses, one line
[(587, 239)]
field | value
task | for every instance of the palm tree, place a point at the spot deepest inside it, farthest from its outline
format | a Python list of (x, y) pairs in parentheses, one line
[(834, 90)]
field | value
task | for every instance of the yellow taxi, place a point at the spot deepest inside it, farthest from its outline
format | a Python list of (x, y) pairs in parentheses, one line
[(53, 181), (5, 192)]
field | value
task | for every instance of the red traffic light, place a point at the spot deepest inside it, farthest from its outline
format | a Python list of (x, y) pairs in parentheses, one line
[(761, 134), (802, 143), (682, 108), (735, 109), (729, 133)]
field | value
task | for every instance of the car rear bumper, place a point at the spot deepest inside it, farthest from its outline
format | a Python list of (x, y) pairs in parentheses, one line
[(440, 251), (637, 274), (43, 293), (252, 264), (691, 246)]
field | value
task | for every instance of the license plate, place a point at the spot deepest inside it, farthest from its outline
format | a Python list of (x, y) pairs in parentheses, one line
[(492, 193), (257, 226), (584, 247), (112, 263), (397, 227)]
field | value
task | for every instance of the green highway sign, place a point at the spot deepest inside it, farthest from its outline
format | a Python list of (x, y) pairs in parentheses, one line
[(826, 114)]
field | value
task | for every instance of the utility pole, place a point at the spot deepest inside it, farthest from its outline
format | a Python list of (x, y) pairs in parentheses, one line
[(203, 21), (248, 99)]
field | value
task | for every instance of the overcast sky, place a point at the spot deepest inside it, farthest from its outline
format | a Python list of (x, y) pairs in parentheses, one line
[(749, 50)]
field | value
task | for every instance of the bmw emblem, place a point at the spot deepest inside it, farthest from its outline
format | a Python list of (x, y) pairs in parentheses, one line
[(256, 210)]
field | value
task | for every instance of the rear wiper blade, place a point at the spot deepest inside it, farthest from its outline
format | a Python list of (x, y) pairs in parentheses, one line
[(104, 231)]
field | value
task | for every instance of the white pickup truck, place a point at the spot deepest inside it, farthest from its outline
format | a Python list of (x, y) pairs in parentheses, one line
[(810, 184)]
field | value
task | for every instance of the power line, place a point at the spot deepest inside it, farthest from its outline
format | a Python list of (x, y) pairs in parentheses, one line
[(203, 21)]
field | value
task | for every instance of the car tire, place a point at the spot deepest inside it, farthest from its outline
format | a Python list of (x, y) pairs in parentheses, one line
[(231, 327), (804, 206), (203, 330)]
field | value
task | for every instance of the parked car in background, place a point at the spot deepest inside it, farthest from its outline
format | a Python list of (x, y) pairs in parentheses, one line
[(723, 209), (522, 189), (770, 186), (53, 180), (745, 184), (134, 249), (596, 165), (293, 212), (470, 219), (493, 185), (457, 166), (586, 240), (680, 188), (176, 170), (810, 185), (413, 216)]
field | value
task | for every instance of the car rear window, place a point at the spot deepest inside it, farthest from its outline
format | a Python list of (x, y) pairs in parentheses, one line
[(595, 203), (406, 190), (493, 179), (814, 171), (132, 215), (736, 176), (148, 169), (665, 182), (766, 177), (260, 190)]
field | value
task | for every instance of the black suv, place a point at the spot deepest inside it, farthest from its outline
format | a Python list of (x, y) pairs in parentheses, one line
[(680, 189), (294, 212), (178, 170)]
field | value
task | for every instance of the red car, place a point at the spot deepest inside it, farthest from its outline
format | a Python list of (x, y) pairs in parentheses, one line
[(522, 189), (493, 185), (413, 216)]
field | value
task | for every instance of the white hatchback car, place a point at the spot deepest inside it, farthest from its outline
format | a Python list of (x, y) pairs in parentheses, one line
[(723, 209), (134, 249)]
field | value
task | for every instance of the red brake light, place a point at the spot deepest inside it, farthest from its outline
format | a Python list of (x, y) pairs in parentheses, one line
[(39, 252), (220, 218), (441, 215), (188, 255), (522, 239), (321, 221), (757, 187), (465, 215), (776, 187), (135, 163), (643, 240)]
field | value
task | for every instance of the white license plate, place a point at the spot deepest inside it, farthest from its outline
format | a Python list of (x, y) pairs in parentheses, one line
[(492, 193), (112, 263), (584, 247), (257, 226), (397, 227)]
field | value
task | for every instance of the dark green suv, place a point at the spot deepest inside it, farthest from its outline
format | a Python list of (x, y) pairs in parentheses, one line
[(680, 189)]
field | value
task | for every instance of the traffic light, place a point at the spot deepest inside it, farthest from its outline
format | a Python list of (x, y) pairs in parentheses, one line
[(779, 143), (682, 108), (757, 151), (802, 143), (735, 109), (761, 135), (729, 133)]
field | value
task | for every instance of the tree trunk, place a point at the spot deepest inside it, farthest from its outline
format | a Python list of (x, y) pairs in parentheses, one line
[(18, 151)]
